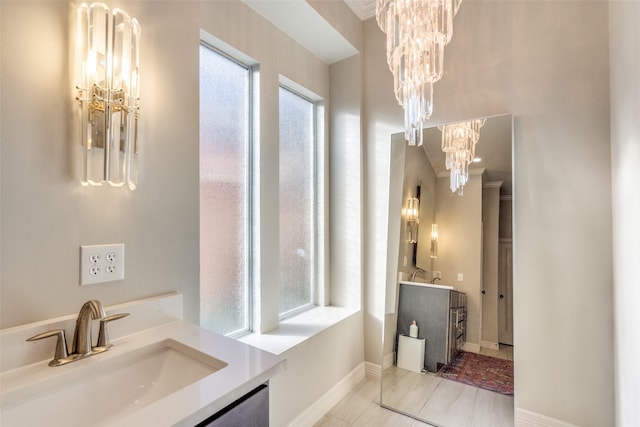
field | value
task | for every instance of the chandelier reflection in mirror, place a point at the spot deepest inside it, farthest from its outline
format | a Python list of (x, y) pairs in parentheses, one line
[(459, 144), (417, 32), (107, 48)]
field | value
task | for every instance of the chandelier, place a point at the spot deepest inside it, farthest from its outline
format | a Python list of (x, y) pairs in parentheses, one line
[(417, 32), (459, 144)]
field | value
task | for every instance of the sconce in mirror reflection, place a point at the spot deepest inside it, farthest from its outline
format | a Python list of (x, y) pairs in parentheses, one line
[(413, 219), (108, 61), (434, 240)]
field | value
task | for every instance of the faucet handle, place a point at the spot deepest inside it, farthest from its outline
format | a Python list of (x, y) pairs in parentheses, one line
[(61, 345), (103, 337)]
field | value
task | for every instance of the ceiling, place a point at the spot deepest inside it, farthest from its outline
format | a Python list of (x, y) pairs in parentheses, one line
[(364, 9), (494, 148), (303, 23), (300, 21)]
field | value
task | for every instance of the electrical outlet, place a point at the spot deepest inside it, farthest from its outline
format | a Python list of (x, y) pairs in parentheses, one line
[(437, 275), (460, 277), (404, 262), (101, 263)]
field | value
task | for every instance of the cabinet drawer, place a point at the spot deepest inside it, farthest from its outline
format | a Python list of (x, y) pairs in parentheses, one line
[(251, 410)]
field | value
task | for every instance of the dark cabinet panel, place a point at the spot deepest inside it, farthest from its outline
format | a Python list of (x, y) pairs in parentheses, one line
[(431, 308), (251, 410)]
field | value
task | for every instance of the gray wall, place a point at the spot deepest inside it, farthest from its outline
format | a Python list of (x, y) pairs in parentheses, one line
[(625, 157), (547, 63)]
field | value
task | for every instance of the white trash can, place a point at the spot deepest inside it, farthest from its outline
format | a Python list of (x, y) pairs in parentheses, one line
[(411, 353)]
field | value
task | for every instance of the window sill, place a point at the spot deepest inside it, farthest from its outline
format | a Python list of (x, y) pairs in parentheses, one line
[(297, 329)]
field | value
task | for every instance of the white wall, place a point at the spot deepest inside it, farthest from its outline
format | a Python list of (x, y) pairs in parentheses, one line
[(396, 183), (410, 167), (314, 367), (418, 171), (427, 217), (47, 214), (346, 182), (489, 303), (381, 116), (547, 63), (625, 157), (459, 222)]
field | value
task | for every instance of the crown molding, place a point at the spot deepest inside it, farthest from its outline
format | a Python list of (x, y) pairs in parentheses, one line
[(493, 184), (364, 9)]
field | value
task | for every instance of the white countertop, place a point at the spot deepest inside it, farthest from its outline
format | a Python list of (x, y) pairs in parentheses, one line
[(428, 285), (247, 367)]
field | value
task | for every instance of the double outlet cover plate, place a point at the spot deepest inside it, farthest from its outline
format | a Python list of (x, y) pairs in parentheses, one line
[(101, 263)]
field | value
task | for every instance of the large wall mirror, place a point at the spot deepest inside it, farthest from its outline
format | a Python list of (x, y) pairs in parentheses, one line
[(458, 367)]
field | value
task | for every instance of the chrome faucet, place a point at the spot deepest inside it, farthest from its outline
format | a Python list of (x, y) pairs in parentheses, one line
[(82, 334), (413, 275), (81, 345)]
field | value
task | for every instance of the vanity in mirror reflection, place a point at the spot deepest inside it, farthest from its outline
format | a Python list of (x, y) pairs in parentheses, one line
[(452, 275)]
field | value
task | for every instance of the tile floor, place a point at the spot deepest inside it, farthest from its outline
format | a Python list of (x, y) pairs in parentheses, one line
[(442, 402)]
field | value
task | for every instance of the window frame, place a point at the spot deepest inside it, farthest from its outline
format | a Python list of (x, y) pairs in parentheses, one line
[(251, 98), (316, 218)]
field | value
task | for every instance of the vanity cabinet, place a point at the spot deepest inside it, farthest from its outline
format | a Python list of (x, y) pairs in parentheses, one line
[(440, 314), (251, 410)]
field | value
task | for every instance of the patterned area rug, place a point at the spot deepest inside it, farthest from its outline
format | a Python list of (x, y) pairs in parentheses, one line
[(482, 371)]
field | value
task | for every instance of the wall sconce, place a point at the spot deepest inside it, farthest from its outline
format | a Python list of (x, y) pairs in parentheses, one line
[(413, 219), (434, 240), (108, 45)]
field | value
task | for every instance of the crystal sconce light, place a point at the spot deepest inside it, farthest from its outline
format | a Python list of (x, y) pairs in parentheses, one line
[(434, 241), (413, 219), (108, 45)]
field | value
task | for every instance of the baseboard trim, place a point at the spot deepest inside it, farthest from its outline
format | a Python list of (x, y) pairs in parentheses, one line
[(490, 344), (315, 412), (388, 360), (372, 370), (524, 418), (470, 347)]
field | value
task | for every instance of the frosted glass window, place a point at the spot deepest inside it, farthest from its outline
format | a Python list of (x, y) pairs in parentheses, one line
[(225, 291), (297, 213)]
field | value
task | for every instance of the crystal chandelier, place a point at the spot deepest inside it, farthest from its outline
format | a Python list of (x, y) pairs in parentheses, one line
[(459, 144), (417, 32)]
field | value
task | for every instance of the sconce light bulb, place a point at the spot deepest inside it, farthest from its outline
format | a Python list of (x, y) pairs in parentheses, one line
[(434, 240)]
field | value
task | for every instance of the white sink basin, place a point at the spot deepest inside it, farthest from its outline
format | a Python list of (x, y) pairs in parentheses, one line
[(105, 390)]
